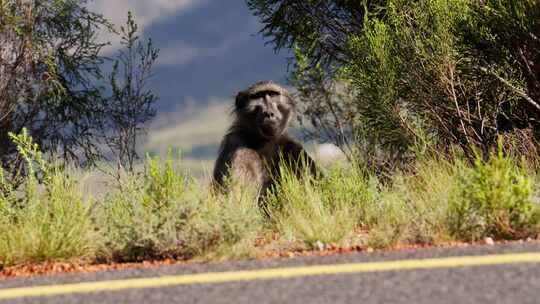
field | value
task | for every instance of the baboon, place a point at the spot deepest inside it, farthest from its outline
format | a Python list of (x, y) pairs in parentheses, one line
[(257, 141)]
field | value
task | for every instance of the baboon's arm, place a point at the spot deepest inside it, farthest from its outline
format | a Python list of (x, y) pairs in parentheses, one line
[(298, 158), (240, 163)]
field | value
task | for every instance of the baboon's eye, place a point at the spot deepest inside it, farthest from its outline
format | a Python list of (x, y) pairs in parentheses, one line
[(254, 108), (262, 94), (257, 95)]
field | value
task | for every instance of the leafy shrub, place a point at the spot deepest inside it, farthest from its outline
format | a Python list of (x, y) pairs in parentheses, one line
[(387, 77), (47, 221), (164, 213), (327, 211), (53, 83), (494, 198)]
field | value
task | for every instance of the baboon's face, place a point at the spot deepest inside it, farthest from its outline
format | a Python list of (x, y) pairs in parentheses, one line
[(268, 110)]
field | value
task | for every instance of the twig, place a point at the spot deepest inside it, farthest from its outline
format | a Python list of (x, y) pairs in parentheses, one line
[(513, 88)]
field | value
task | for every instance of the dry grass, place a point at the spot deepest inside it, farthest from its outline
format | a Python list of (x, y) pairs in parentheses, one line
[(163, 212)]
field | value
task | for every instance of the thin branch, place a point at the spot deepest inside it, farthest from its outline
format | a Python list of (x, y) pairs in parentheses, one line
[(512, 87)]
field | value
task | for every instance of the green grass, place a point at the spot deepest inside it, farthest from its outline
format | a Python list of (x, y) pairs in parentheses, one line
[(164, 212), (51, 222), (310, 211), (494, 198)]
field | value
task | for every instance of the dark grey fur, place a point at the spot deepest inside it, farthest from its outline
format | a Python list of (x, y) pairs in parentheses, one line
[(257, 141)]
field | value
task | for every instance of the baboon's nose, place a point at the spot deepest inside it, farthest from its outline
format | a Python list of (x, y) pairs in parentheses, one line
[(268, 114)]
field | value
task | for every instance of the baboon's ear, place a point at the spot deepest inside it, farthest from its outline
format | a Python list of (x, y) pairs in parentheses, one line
[(241, 100)]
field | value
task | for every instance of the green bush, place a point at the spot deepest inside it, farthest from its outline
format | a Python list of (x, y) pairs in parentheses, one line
[(47, 221), (495, 199), (83, 103), (387, 77), (312, 212), (412, 208), (165, 213)]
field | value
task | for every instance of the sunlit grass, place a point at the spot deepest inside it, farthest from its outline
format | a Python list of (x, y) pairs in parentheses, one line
[(164, 212)]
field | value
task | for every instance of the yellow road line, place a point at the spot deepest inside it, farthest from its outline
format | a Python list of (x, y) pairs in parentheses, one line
[(265, 274)]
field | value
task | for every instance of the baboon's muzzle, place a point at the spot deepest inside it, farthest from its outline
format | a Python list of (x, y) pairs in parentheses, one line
[(269, 129)]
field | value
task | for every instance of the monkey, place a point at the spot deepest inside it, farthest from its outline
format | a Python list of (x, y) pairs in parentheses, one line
[(257, 142)]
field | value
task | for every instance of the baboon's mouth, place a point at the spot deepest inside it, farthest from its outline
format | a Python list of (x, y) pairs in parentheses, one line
[(268, 130)]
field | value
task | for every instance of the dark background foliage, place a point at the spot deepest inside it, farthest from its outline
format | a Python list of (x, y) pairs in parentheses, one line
[(52, 83), (392, 78)]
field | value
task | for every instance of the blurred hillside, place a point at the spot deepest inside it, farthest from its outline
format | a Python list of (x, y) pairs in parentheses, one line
[(196, 135), (210, 49)]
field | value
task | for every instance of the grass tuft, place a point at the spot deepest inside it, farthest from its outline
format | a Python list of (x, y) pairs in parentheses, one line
[(312, 212), (495, 199), (163, 212), (50, 222)]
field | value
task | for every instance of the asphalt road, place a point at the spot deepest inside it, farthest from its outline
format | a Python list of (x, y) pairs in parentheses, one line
[(474, 274)]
